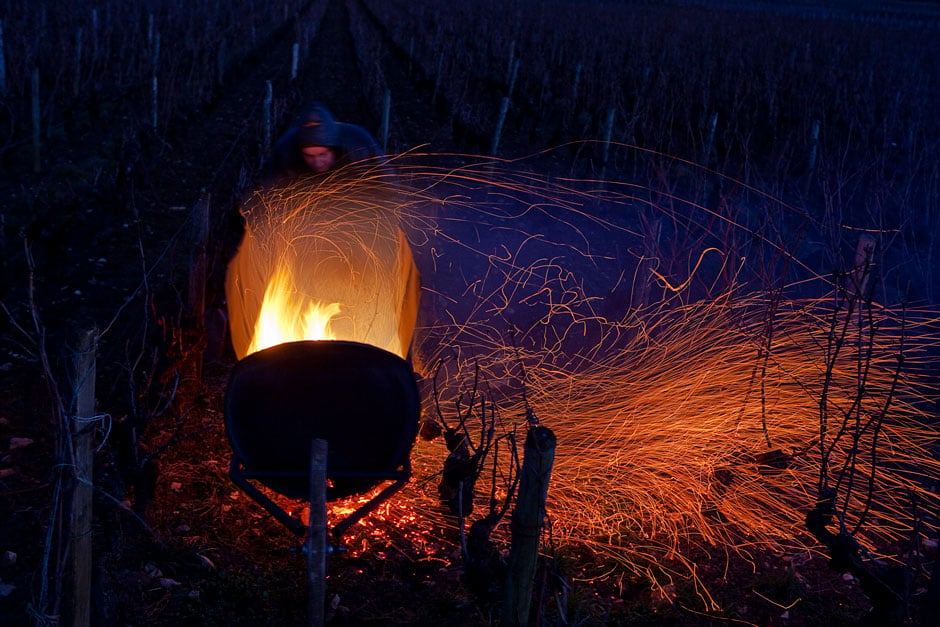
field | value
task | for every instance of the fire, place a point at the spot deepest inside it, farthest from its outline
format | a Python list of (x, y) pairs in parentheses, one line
[(286, 315), (307, 252), (693, 404)]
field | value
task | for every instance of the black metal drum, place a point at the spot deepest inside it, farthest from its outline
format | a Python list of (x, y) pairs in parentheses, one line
[(361, 399)]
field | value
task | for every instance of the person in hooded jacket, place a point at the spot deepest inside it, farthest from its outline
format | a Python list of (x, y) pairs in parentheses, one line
[(317, 144)]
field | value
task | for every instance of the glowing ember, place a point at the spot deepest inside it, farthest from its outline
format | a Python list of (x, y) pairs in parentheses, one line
[(692, 402), (288, 316), (702, 379)]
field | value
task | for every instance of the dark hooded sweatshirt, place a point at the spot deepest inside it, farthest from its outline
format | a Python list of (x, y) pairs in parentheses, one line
[(315, 126)]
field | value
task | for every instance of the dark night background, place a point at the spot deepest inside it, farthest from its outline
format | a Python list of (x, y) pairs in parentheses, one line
[(121, 121)]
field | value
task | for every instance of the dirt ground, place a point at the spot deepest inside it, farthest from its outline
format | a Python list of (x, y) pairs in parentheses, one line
[(175, 541)]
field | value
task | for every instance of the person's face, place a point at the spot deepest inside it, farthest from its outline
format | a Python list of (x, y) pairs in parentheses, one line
[(318, 158)]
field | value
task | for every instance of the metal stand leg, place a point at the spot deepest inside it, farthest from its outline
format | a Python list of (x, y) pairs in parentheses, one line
[(317, 533), (238, 478)]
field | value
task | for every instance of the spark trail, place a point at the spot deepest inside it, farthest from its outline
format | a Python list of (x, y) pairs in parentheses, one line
[(702, 379)]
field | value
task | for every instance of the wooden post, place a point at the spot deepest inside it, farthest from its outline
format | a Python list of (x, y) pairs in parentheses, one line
[(575, 85), (863, 265), (710, 139), (221, 61), (932, 602), (197, 274), (411, 53), (82, 432), (526, 524), (155, 55), (386, 119), (94, 35), (512, 59), (437, 78), (37, 120), (608, 134), (499, 126), (197, 268), (813, 151), (512, 78), (295, 58), (154, 92), (77, 80), (3, 65), (266, 115), (316, 534)]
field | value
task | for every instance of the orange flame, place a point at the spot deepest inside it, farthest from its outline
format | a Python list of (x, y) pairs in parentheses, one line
[(306, 254), (287, 315)]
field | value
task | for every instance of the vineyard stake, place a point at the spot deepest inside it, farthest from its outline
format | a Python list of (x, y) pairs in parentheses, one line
[(221, 61), (386, 110), (36, 119), (94, 35), (512, 60), (82, 432), (316, 534), (710, 142), (863, 265), (293, 64), (574, 88), (411, 52), (3, 65), (155, 57), (154, 90), (608, 133), (526, 524), (76, 84), (197, 275), (499, 126), (814, 147), (266, 114), (437, 78), (512, 77)]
